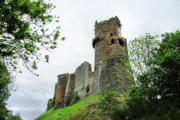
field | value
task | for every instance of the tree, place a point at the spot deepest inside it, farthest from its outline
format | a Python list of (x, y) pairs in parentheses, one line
[(4, 90), (13, 117), (140, 51), (50, 104), (157, 93), (167, 67), (24, 34)]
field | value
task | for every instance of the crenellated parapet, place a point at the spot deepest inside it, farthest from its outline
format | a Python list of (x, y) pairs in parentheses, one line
[(107, 25)]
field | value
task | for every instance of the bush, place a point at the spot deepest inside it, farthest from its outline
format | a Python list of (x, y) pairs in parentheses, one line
[(50, 104), (112, 104), (10, 116), (87, 89), (75, 98)]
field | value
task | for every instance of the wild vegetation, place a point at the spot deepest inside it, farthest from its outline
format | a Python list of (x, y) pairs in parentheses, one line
[(86, 108), (23, 36)]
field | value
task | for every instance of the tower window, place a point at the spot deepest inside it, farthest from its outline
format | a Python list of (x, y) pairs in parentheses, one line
[(111, 34), (121, 42), (112, 41), (96, 40)]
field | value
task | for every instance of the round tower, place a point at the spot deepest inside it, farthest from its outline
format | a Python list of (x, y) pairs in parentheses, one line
[(108, 41), (111, 56)]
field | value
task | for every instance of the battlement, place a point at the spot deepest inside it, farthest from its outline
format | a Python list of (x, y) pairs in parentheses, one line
[(107, 25), (108, 40)]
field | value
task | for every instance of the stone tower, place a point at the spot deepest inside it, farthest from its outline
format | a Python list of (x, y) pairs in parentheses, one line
[(110, 54)]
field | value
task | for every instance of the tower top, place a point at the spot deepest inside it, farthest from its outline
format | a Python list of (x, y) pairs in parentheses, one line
[(106, 29), (107, 25), (108, 41)]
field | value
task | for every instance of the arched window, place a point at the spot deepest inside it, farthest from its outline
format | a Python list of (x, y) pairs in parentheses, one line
[(121, 42), (112, 41)]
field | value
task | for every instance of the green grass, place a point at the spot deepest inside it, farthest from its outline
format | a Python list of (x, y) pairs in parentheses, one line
[(70, 112)]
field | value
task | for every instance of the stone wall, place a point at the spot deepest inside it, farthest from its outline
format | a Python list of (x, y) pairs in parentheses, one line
[(109, 72), (69, 89), (82, 81), (60, 90), (82, 78)]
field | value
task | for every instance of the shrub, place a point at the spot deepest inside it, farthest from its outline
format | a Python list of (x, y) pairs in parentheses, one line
[(112, 104), (87, 89), (75, 98), (50, 104)]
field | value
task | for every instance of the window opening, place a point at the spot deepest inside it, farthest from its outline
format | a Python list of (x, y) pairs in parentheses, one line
[(121, 42), (112, 41)]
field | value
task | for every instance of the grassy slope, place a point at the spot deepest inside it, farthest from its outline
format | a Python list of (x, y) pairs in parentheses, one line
[(84, 109)]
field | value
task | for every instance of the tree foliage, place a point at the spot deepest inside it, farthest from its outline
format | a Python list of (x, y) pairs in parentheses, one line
[(24, 34), (112, 103), (4, 90), (157, 93), (140, 52), (50, 104), (13, 117)]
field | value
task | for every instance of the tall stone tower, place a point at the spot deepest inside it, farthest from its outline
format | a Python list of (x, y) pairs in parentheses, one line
[(110, 54)]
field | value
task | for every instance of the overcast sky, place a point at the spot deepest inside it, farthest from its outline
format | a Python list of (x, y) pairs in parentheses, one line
[(77, 19)]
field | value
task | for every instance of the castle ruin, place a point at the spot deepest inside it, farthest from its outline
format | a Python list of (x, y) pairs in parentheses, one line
[(110, 53)]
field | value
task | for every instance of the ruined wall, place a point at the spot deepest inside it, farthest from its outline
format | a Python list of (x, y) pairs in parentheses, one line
[(82, 76), (69, 89), (82, 81), (60, 90)]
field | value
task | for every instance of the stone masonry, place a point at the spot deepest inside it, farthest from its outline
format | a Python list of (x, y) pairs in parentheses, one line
[(110, 54)]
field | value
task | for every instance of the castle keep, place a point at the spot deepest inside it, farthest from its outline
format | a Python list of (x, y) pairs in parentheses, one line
[(110, 55)]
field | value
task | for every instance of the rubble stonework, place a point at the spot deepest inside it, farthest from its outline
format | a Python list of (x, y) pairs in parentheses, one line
[(110, 54)]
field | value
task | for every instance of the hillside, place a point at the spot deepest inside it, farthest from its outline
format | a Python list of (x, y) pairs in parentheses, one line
[(83, 110)]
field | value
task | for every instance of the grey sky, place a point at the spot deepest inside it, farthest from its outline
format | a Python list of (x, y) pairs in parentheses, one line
[(77, 18)]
